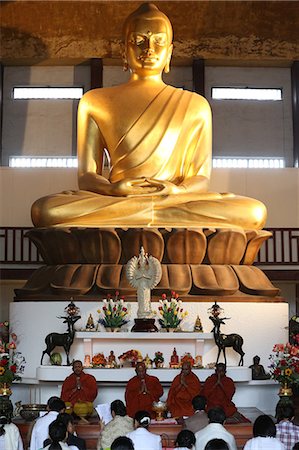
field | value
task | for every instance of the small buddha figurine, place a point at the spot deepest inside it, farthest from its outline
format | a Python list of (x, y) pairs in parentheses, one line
[(90, 323), (159, 141), (148, 362), (198, 325), (112, 359), (258, 371), (174, 359)]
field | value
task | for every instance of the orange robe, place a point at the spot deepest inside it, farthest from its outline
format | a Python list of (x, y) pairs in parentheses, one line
[(179, 400), (87, 393), (218, 396), (137, 401)]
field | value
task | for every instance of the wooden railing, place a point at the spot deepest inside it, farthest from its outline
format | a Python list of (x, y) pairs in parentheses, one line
[(282, 249)]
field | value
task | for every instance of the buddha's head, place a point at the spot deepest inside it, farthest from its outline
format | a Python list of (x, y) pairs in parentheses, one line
[(148, 41)]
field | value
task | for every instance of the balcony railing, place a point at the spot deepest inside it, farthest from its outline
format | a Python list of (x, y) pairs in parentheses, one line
[(282, 249)]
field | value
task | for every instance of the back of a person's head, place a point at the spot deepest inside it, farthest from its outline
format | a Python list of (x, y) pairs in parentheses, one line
[(65, 418), (3, 421), (216, 415), (296, 446), (57, 433), (199, 403), (284, 411), (143, 418), (122, 443), (118, 407), (216, 444), (56, 404), (264, 427), (185, 438)]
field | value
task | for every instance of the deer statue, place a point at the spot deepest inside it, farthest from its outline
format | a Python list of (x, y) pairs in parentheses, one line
[(226, 340), (64, 340)]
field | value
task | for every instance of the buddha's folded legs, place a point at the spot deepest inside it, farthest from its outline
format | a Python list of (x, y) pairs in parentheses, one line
[(87, 209)]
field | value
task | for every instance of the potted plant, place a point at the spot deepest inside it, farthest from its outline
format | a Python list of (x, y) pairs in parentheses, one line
[(113, 313), (171, 312)]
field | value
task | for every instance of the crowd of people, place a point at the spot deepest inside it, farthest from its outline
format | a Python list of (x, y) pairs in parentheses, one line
[(202, 412)]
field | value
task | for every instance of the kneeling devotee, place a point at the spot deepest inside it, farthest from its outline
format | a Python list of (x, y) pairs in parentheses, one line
[(79, 386), (219, 390), (182, 390), (141, 391)]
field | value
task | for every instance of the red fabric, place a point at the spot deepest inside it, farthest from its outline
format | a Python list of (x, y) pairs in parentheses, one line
[(179, 400), (137, 401), (87, 393), (220, 395)]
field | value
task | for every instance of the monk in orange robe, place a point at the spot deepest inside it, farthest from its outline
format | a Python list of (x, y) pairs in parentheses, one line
[(183, 388), (219, 390), (141, 391), (79, 386)]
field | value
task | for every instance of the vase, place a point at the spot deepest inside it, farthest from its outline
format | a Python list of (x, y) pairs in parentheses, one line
[(113, 329), (285, 390)]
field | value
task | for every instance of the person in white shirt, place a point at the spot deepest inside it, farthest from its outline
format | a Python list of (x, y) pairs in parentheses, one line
[(40, 430), (58, 435), (264, 435), (214, 430), (10, 438), (141, 435)]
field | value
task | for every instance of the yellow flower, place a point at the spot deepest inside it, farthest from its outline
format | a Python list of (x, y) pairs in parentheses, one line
[(2, 370), (108, 313), (175, 313), (288, 372)]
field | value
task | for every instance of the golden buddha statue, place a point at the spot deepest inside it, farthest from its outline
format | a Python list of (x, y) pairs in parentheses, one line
[(159, 141)]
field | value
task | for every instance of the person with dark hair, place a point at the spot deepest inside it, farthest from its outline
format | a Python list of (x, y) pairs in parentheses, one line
[(72, 438), (182, 390), (122, 443), (296, 446), (79, 386), (219, 390), (199, 419), (214, 430), (120, 425), (141, 391), (58, 434), (216, 444), (185, 440), (10, 438), (141, 436), (286, 431), (264, 435), (40, 430)]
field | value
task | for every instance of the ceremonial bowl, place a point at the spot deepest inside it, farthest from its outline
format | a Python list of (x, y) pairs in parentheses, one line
[(31, 412), (159, 408)]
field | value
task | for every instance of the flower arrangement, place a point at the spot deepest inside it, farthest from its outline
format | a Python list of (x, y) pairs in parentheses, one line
[(284, 364), (159, 358), (10, 361), (131, 356), (113, 312), (99, 360), (171, 311)]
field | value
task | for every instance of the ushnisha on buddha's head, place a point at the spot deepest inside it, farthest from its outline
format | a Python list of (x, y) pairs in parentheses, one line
[(147, 41)]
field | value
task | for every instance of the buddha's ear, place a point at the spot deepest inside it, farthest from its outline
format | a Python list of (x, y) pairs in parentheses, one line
[(167, 65)]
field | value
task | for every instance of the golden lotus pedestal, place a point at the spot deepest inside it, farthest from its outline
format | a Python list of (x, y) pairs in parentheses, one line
[(86, 263)]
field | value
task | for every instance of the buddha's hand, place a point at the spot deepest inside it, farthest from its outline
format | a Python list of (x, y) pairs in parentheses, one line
[(163, 187), (135, 186)]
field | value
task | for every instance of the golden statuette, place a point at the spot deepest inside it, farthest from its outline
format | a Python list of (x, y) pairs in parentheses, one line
[(159, 141)]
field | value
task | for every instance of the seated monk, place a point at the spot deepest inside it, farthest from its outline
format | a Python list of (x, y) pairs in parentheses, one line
[(79, 386), (141, 391), (219, 390), (183, 389), (159, 142)]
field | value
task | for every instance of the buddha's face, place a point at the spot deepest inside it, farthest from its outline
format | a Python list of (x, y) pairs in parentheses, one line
[(148, 45)]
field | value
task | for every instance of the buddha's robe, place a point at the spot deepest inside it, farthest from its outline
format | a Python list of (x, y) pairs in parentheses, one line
[(179, 400), (167, 142), (217, 395), (87, 392), (137, 400)]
